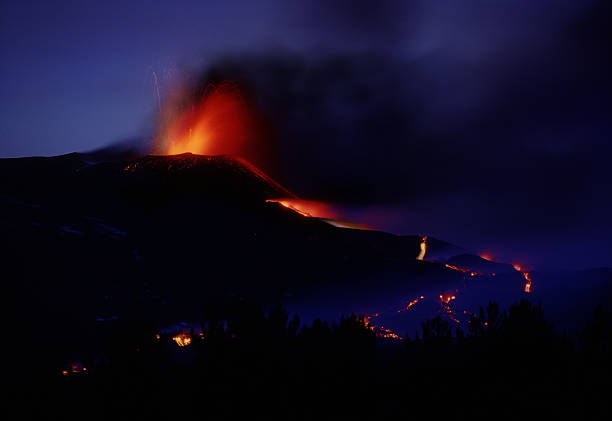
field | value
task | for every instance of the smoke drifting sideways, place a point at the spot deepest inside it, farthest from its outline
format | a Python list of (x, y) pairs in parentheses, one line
[(482, 123), (503, 149)]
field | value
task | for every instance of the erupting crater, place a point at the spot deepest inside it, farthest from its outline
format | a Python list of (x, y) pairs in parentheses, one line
[(220, 123)]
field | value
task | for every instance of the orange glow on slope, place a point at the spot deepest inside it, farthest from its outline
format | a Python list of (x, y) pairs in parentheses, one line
[(487, 257), (421, 255), (182, 339), (220, 123), (347, 224), (308, 208), (318, 209)]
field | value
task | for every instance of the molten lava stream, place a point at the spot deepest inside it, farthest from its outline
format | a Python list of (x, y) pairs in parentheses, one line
[(380, 331), (446, 309), (308, 208), (411, 304), (182, 339), (421, 255), (526, 275)]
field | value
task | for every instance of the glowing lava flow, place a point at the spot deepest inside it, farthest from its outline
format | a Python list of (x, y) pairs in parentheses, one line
[(411, 304), (308, 208), (421, 255), (380, 331), (457, 268), (320, 210), (526, 275), (220, 123), (445, 301), (182, 339)]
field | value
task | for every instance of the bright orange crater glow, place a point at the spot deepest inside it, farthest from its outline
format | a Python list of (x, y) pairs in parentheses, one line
[(220, 123)]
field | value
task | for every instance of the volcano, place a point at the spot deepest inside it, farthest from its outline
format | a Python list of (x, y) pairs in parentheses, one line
[(90, 244)]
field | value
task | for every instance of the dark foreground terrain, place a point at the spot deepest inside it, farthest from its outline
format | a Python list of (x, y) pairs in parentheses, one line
[(109, 265), (509, 364)]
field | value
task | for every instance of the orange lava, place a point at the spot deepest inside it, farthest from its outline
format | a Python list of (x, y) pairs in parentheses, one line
[(411, 304), (447, 298), (308, 208), (526, 275), (182, 339), (445, 304), (457, 268), (421, 255), (380, 331), (221, 123)]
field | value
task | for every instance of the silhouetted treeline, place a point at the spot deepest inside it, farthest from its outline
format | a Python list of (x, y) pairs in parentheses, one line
[(510, 364)]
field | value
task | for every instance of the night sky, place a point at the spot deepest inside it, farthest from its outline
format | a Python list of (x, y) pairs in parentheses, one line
[(484, 123)]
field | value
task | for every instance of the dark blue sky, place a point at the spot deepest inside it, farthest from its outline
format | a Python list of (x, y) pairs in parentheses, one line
[(400, 110), (77, 74)]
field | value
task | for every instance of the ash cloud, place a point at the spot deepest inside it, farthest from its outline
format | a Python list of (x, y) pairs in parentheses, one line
[(510, 120)]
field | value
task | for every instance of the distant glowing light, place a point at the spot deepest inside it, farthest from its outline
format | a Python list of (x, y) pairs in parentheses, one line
[(74, 368)]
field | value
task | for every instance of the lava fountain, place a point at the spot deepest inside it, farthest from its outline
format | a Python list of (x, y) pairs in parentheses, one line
[(220, 123)]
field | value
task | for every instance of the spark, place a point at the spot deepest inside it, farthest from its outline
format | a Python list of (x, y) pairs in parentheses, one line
[(156, 87)]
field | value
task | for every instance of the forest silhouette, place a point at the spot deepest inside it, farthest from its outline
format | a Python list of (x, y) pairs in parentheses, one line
[(250, 364)]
